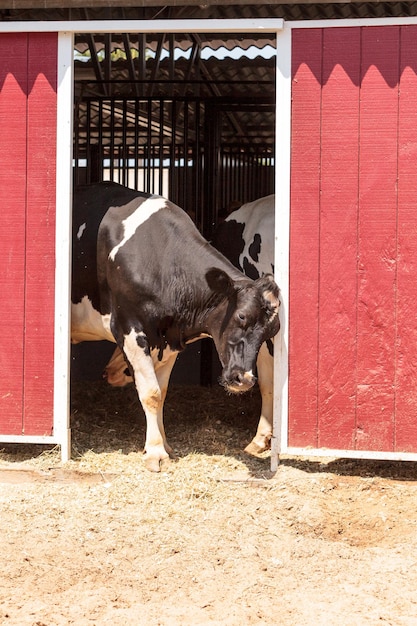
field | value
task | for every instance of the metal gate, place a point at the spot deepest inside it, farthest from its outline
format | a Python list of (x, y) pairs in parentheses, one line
[(173, 147)]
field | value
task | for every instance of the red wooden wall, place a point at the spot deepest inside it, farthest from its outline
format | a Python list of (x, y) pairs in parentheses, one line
[(28, 86), (353, 252)]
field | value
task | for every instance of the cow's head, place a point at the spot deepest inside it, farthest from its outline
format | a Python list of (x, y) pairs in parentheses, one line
[(246, 317)]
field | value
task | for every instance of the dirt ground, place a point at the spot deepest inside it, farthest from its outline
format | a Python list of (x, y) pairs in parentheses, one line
[(214, 539)]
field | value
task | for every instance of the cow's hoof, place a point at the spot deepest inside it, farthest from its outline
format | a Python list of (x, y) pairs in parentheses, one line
[(255, 449), (154, 464)]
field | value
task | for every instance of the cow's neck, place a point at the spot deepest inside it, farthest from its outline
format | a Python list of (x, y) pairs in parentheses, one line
[(203, 319)]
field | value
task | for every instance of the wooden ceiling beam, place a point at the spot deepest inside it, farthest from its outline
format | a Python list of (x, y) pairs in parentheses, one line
[(204, 4)]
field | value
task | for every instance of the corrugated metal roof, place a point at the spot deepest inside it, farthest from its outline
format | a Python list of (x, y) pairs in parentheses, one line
[(186, 66), (232, 61), (217, 46)]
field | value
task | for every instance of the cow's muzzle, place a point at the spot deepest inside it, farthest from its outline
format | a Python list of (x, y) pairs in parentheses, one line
[(239, 382)]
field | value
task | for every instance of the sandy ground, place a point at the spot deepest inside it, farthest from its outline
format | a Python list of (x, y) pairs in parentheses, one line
[(215, 539)]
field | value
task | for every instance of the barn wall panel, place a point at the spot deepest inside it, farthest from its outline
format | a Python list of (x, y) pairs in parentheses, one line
[(406, 321), (13, 103), (338, 254), (304, 225), (354, 262), (377, 238), (27, 238), (40, 239)]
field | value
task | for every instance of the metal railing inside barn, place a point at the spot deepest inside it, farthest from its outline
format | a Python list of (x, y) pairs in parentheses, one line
[(174, 147)]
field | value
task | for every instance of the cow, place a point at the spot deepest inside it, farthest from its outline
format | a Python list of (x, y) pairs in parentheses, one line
[(144, 278), (246, 238)]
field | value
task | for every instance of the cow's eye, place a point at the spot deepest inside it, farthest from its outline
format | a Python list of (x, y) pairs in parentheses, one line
[(241, 316)]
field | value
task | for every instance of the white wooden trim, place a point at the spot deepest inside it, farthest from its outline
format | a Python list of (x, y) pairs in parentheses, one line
[(31, 439), (267, 25), (63, 241), (282, 238), (351, 454), (146, 26), (343, 23)]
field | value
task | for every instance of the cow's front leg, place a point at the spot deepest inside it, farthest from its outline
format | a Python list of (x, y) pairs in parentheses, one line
[(262, 439), (163, 369), (151, 396)]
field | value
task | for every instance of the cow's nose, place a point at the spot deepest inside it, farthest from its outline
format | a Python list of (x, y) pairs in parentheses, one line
[(246, 378), (241, 382)]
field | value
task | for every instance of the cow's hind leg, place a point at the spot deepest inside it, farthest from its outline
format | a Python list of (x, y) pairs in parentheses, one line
[(151, 396), (116, 371)]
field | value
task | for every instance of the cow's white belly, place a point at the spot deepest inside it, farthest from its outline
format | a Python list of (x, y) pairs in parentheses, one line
[(87, 324)]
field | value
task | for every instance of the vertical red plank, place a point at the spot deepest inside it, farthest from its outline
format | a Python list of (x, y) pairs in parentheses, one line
[(40, 239), (406, 349), (13, 87), (377, 237), (304, 228), (338, 238)]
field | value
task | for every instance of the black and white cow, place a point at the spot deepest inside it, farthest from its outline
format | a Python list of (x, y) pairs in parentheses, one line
[(246, 237), (144, 278)]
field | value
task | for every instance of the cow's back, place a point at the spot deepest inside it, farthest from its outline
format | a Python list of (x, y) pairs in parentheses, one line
[(246, 237), (90, 204)]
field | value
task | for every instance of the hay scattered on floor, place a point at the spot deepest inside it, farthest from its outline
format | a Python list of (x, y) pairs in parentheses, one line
[(108, 429)]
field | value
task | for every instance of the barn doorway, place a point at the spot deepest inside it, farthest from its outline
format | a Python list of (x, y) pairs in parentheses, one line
[(185, 115)]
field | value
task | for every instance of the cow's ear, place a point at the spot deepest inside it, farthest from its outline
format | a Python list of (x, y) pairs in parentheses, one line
[(270, 291), (219, 281), (267, 283)]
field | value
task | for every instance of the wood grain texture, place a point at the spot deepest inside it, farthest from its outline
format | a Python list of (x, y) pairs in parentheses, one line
[(377, 238), (40, 239), (13, 115), (304, 228), (338, 237), (406, 294)]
